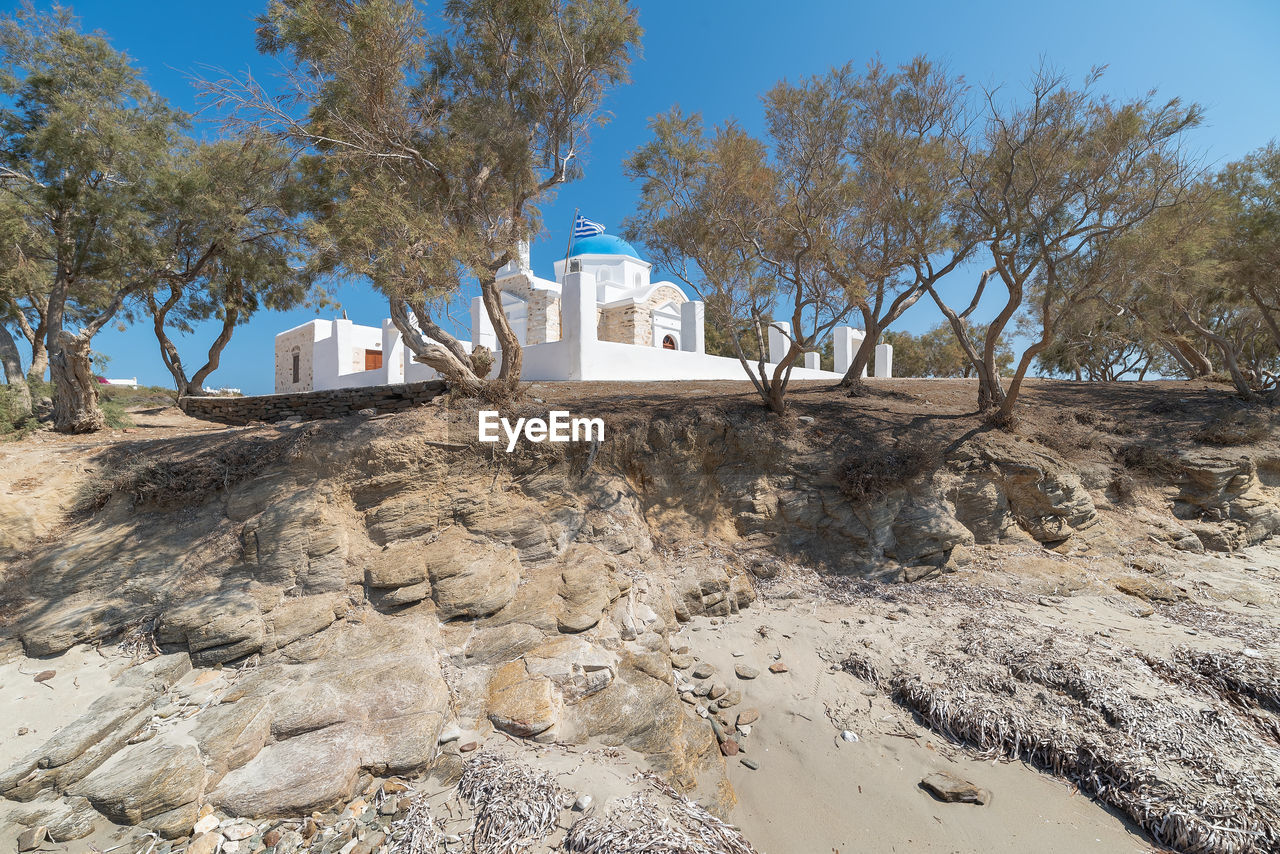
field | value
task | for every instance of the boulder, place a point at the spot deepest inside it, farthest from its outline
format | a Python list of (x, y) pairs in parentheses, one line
[(398, 596), (65, 818), (589, 583), (499, 644), (1149, 589), (217, 628), (926, 530), (469, 577), (298, 617), (398, 565), (301, 540), (576, 667), (76, 619), (231, 734), (403, 517), (145, 780), (522, 704), (314, 771)]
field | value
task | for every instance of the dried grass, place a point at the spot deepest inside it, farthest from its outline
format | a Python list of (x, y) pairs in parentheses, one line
[(186, 472), (1235, 428), (872, 469)]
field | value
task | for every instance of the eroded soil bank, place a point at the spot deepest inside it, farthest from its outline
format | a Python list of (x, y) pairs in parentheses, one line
[(311, 610)]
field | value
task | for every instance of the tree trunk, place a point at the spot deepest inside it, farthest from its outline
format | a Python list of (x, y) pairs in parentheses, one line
[(39, 361), (990, 392), (169, 355), (436, 355), (229, 319), (512, 354), (19, 392), (1199, 362), (75, 389), (1229, 357), (1265, 310), (35, 337), (862, 358), (1010, 397), (776, 391)]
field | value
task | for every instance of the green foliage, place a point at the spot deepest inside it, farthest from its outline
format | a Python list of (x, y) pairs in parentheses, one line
[(136, 398), (230, 240), (758, 227), (12, 424), (433, 150), (82, 142), (117, 417)]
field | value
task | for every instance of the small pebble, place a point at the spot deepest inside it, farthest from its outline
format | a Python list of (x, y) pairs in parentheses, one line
[(582, 803), (849, 735), (750, 763)]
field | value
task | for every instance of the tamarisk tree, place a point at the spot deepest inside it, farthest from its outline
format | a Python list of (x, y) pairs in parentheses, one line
[(754, 228), (81, 140), (1046, 182), (1251, 250), (227, 238), (903, 152), (438, 147)]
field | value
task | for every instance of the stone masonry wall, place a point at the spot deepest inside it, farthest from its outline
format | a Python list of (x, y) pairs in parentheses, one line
[(310, 406)]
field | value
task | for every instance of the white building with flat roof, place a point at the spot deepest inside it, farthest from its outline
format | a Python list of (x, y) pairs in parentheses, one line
[(602, 318)]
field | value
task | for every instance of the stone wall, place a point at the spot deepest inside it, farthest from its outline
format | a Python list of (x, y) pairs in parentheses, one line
[(302, 341), (309, 406)]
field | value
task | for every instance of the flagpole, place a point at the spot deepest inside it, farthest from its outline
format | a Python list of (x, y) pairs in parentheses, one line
[(568, 247)]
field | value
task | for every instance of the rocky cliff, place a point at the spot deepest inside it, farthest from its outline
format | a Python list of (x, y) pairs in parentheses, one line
[(368, 596)]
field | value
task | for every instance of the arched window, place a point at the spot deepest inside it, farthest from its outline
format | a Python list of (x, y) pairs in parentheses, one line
[(668, 343)]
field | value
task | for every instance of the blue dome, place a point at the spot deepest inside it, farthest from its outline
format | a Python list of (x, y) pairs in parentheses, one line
[(603, 244)]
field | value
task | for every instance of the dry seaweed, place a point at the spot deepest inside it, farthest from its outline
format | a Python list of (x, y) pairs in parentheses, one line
[(516, 806), (1195, 769), (416, 832), (641, 824)]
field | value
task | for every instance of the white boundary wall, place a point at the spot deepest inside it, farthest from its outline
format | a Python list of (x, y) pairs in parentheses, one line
[(578, 355)]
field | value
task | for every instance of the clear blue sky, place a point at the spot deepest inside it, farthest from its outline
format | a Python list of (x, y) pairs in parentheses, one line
[(717, 56)]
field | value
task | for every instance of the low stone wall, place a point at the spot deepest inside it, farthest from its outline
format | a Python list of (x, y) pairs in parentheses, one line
[(310, 405)]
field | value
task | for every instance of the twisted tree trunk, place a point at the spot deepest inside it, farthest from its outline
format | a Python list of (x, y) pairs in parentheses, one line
[(75, 400)]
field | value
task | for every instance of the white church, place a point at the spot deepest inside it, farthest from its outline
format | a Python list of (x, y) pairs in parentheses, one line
[(601, 319)]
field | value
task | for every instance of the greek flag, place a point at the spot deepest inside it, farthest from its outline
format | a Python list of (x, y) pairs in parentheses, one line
[(583, 227)]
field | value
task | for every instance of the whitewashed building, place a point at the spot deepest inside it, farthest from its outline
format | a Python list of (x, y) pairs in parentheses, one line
[(602, 318)]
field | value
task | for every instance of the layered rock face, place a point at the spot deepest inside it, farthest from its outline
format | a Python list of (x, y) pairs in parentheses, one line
[(361, 611), (380, 596)]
